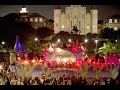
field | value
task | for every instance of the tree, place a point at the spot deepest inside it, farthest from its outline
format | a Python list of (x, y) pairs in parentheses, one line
[(107, 47), (44, 36), (24, 70), (110, 47), (108, 33)]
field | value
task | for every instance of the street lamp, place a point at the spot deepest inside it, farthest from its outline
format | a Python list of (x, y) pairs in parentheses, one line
[(86, 40), (69, 40), (36, 39), (58, 40), (96, 41), (37, 42), (3, 43)]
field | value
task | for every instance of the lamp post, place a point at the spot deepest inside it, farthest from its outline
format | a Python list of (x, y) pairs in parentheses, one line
[(86, 40), (36, 40), (96, 41), (58, 40), (3, 43), (69, 40)]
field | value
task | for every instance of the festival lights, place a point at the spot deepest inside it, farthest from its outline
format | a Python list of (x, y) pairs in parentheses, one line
[(33, 61), (58, 50)]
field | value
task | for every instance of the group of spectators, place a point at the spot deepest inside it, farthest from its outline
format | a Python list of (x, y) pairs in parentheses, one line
[(12, 79)]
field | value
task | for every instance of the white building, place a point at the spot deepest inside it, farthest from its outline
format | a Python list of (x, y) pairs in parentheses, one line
[(75, 15), (113, 22)]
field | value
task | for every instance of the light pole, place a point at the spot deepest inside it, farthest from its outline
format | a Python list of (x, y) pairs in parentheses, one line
[(86, 40), (36, 40), (58, 40), (69, 40), (96, 41), (3, 43)]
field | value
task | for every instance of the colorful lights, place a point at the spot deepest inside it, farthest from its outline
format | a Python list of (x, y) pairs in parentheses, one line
[(26, 62), (58, 50), (33, 61)]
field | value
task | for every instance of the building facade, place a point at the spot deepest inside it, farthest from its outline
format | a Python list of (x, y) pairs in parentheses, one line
[(76, 15), (113, 22), (34, 19)]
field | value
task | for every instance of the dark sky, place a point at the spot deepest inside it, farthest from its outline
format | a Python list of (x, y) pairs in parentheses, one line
[(47, 10)]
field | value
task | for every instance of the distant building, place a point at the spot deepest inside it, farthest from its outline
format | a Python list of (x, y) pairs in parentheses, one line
[(35, 20), (75, 15), (113, 22)]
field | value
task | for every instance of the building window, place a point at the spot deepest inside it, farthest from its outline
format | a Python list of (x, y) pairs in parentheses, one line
[(36, 19), (88, 27), (44, 24), (110, 20), (26, 19), (79, 24), (21, 19), (31, 19), (63, 26), (57, 15), (115, 28), (68, 15), (40, 19), (56, 24), (83, 15), (115, 21), (71, 24)]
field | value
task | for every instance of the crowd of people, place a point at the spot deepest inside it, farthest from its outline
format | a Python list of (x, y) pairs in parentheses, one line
[(12, 79)]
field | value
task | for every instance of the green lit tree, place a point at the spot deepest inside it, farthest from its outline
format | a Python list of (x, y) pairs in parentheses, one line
[(24, 70), (110, 47)]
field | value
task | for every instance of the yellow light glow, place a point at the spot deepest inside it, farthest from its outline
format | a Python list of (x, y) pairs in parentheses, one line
[(65, 59), (88, 27), (63, 27), (58, 49), (33, 61), (93, 25), (24, 10), (25, 62)]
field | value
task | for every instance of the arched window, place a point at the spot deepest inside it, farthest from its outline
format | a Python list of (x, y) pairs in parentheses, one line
[(26, 19), (40, 19), (36, 19), (31, 19), (110, 20), (115, 28), (115, 21)]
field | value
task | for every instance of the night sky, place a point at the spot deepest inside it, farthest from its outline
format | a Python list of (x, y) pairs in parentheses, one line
[(47, 10)]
